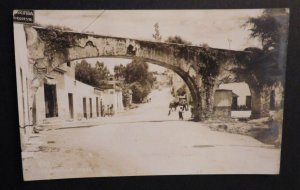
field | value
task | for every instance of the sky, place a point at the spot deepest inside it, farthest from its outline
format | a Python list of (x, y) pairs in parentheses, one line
[(218, 28)]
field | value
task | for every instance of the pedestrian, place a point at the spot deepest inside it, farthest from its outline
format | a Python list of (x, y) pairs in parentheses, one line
[(108, 111), (180, 113), (170, 108), (112, 110), (102, 111)]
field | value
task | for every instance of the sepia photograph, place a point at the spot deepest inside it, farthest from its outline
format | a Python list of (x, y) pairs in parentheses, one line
[(107, 93)]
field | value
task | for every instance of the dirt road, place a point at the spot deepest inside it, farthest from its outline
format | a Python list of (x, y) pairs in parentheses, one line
[(146, 141)]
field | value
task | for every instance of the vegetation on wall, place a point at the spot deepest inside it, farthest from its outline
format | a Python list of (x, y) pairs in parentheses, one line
[(177, 40)]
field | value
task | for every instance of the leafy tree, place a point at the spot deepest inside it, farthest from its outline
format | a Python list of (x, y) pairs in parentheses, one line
[(137, 71), (157, 35), (264, 67), (101, 71), (270, 28), (140, 79), (139, 92), (119, 71), (93, 76)]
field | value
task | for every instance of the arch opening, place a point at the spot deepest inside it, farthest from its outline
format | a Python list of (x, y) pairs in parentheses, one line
[(235, 99), (193, 97)]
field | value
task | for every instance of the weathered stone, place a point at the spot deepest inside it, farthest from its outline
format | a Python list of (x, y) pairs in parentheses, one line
[(202, 68)]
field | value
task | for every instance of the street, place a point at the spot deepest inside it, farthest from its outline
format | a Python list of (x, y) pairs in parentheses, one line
[(146, 141)]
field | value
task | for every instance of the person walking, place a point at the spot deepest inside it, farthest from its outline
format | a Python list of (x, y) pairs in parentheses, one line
[(104, 111), (180, 113), (112, 110), (108, 111)]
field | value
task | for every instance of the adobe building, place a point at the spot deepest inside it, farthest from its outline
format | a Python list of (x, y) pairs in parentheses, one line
[(59, 97)]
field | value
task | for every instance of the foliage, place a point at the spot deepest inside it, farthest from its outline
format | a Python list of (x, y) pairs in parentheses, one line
[(54, 27), (157, 35), (93, 76), (271, 28), (126, 94), (119, 71), (177, 40), (138, 77), (101, 71), (267, 65), (210, 65), (137, 71), (139, 91)]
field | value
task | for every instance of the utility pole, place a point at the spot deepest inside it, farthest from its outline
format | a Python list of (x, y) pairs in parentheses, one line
[(229, 41)]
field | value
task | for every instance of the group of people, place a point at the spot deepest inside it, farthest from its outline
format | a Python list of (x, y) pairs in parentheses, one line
[(180, 111), (107, 110)]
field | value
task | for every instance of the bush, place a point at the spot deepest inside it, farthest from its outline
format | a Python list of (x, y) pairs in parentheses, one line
[(139, 91), (126, 96)]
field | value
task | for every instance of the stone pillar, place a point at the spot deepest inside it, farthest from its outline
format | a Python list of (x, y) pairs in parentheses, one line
[(260, 105), (196, 112), (207, 98)]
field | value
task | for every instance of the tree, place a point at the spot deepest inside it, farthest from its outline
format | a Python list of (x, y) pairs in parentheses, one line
[(93, 76), (270, 28), (102, 71), (265, 67), (119, 71), (136, 71), (136, 74), (156, 35), (139, 92)]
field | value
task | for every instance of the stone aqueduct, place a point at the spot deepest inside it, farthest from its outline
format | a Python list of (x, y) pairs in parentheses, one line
[(48, 49)]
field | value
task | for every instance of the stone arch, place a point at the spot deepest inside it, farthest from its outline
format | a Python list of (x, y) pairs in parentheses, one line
[(50, 48), (259, 97)]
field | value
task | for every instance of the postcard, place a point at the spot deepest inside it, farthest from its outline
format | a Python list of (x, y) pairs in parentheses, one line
[(150, 92)]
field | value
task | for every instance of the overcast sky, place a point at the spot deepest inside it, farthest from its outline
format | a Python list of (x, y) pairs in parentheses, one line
[(217, 28)]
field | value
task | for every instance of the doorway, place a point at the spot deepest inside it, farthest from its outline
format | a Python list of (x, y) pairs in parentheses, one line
[(84, 108), (50, 100), (97, 106), (91, 108), (71, 108)]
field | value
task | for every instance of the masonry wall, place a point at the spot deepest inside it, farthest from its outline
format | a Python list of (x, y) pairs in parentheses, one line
[(22, 75), (222, 103), (65, 84)]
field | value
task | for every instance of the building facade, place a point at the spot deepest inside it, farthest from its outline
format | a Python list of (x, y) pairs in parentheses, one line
[(60, 97)]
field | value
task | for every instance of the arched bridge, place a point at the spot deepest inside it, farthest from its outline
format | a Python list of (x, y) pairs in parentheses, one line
[(202, 68)]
